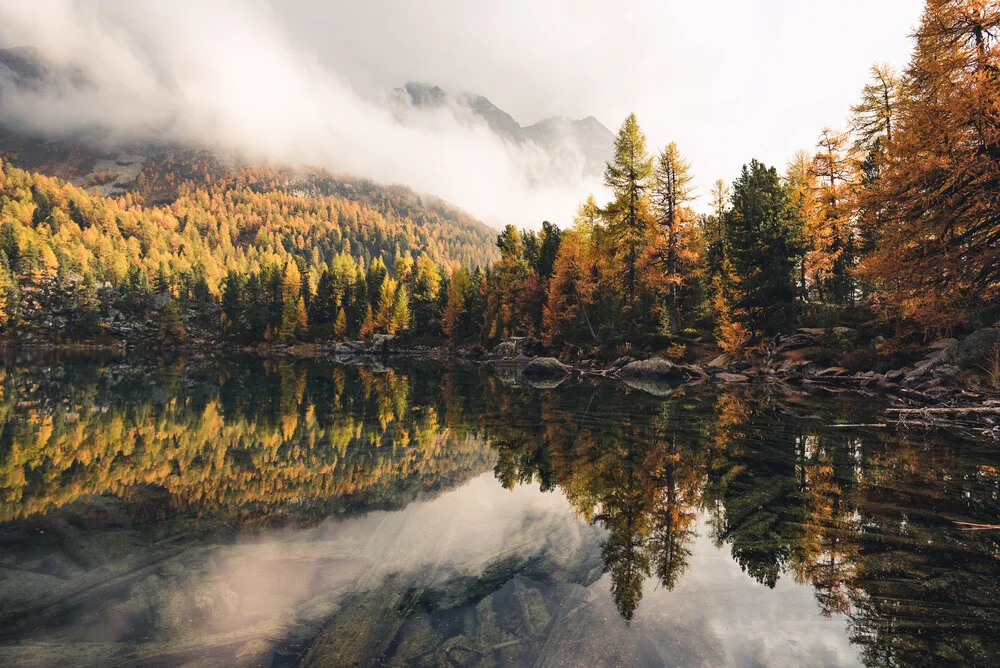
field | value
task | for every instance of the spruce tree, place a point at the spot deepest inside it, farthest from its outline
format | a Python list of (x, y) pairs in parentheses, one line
[(763, 244)]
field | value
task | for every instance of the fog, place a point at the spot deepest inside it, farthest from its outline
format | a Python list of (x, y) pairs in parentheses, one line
[(222, 75), (304, 81)]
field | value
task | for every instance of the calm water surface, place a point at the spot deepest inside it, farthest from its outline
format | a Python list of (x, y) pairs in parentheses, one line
[(235, 511)]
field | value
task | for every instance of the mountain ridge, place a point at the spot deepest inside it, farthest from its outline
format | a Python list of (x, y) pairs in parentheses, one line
[(559, 136)]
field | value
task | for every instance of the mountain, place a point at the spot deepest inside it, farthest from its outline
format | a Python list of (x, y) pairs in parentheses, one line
[(159, 174), (562, 138)]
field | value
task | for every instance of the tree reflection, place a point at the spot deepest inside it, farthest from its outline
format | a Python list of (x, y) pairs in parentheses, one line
[(861, 517), (865, 518)]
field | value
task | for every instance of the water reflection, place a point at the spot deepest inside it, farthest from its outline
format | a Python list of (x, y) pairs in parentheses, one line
[(276, 513)]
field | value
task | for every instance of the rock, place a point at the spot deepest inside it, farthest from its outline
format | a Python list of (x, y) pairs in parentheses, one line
[(797, 341), (895, 375), (731, 378), (383, 343), (655, 368), (622, 361), (542, 367), (946, 371), (820, 332), (975, 350), (694, 372), (941, 344), (721, 362), (832, 372), (517, 346), (348, 348)]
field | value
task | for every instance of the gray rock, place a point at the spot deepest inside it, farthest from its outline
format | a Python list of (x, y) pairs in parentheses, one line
[(974, 351), (895, 375), (720, 362), (383, 343), (655, 368), (941, 344), (541, 367), (517, 346)]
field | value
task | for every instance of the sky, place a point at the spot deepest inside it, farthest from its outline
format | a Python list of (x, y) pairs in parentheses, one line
[(306, 80)]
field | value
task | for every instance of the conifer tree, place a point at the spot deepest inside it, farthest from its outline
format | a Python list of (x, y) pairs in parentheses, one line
[(674, 247), (628, 176), (763, 244), (936, 198)]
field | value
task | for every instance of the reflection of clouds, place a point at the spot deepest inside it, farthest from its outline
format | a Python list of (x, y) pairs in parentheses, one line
[(280, 586), (750, 623), (231, 596)]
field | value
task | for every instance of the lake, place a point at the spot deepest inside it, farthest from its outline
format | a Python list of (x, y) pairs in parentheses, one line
[(221, 511)]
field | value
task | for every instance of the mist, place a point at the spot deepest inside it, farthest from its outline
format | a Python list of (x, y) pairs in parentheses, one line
[(226, 76)]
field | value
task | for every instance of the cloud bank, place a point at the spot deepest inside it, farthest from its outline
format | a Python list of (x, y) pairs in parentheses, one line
[(226, 75)]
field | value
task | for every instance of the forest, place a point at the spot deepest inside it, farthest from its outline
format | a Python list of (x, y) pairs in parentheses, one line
[(889, 225)]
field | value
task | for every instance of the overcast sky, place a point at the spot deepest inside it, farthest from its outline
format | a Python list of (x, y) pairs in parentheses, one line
[(729, 80), (299, 80)]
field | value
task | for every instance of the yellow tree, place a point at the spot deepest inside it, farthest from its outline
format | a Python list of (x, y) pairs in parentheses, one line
[(833, 171), (938, 194), (571, 291), (628, 176), (674, 249), (815, 262)]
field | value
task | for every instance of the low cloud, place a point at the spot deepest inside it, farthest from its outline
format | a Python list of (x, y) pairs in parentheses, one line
[(223, 75)]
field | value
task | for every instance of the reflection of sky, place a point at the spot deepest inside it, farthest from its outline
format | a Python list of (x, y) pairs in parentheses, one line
[(753, 625), (254, 592)]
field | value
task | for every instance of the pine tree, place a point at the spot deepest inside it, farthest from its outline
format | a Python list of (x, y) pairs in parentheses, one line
[(834, 174), (628, 176), (400, 311), (9, 295), (570, 294), (386, 299), (171, 325), (936, 200), (763, 244), (674, 251)]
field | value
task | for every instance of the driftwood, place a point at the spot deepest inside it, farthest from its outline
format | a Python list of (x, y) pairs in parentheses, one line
[(970, 526), (877, 425), (952, 409)]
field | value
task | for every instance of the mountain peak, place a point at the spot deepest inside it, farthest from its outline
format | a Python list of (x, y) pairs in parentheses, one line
[(557, 134)]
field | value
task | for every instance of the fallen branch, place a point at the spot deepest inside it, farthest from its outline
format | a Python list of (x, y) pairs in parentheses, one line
[(877, 425), (969, 526), (954, 409)]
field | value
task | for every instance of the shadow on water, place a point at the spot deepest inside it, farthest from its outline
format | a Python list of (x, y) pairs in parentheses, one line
[(239, 511)]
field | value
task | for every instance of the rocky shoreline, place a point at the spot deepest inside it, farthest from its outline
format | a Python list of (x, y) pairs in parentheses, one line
[(956, 382)]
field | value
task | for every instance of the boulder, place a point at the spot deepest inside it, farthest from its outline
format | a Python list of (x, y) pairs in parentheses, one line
[(720, 362), (517, 346), (941, 344), (731, 378), (545, 367), (975, 350), (383, 343), (655, 368), (895, 375), (832, 372)]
